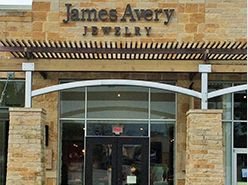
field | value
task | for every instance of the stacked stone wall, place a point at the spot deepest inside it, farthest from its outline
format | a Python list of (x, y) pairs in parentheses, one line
[(197, 20), (204, 148), (26, 157)]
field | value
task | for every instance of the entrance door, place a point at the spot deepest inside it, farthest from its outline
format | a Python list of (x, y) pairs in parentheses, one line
[(116, 161)]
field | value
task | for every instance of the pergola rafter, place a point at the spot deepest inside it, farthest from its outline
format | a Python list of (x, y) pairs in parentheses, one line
[(128, 50)]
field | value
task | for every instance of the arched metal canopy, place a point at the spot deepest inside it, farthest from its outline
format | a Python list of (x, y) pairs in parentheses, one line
[(227, 91), (139, 83)]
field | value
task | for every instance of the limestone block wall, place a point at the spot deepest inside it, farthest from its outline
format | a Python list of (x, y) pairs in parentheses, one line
[(192, 20), (204, 148), (26, 159)]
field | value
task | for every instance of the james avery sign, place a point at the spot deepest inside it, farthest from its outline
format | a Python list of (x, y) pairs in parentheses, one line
[(130, 14)]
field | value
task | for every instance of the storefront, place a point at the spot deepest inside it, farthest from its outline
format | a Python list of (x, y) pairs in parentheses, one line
[(114, 93)]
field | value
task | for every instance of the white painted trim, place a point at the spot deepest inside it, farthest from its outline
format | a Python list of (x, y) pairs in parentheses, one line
[(205, 68), (227, 91), (204, 90), (139, 83), (28, 89), (28, 66)]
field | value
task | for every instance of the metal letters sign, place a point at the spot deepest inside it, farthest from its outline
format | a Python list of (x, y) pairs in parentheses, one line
[(130, 14)]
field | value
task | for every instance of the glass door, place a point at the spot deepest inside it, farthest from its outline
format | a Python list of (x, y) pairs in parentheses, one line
[(116, 161), (240, 167)]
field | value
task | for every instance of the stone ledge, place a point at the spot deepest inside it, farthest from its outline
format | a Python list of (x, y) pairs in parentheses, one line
[(202, 111), (17, 109)]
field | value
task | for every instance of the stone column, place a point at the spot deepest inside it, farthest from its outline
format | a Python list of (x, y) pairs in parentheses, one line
[(204, 148), (26, 159)]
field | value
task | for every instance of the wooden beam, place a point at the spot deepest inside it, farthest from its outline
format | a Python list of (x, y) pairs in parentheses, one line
[(49, 65), (123, 50)]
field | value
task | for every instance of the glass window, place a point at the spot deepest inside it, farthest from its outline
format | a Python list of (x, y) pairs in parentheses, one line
[(240, 133), (221, 102), (240, 109), (72, 152), (117, 102), (73, 103), (111, 128), (162, 104), (241, 167), (162, 151), (12, 93), (116, 111), (235, 111), (4, 127)]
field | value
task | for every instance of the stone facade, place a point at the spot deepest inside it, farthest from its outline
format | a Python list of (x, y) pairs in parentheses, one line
[(50, 102), (26, 158), (204, 148), (193, 20)]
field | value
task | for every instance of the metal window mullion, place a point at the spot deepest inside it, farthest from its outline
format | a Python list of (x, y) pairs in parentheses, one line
[(232, 141), (204, 90), (149, 133), (155, 121), (115, 119), (85, 130)]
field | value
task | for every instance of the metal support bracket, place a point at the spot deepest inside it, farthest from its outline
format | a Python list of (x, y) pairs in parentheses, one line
[(204, 69), (28, 68)]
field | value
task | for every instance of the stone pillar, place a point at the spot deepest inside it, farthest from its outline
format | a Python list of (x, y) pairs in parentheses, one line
[(204, 148), (26, 159)]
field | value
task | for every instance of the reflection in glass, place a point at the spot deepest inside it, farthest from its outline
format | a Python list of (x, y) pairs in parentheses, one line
[(221, 102), (105, 128), (240, 134), (161, 157), (240, 109), (14, 94), (72, 153), (241, 169), (102, 164), (162, 104), (117, 102), (131, 164), (72, 103), (3, 150)]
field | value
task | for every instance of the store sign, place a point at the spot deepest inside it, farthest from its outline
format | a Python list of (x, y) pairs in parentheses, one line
[(130, 14)]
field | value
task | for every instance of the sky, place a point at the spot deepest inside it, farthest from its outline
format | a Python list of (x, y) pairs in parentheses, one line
[(15, 2)]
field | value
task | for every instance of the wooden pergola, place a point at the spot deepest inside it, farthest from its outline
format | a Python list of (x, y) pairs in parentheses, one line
[(44, 56), (225, 57), (129, 50)]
